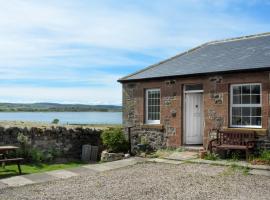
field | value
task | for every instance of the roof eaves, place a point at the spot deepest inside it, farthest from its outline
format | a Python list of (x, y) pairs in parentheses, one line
[(199, 74)]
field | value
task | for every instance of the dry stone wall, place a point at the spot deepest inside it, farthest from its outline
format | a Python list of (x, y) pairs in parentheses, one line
[(67, 141)]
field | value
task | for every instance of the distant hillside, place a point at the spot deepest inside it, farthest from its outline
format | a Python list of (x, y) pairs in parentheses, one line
[(55, 107)]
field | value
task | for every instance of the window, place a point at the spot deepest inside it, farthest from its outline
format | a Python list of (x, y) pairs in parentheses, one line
[(246, 106), (153, 106), (194, 87)]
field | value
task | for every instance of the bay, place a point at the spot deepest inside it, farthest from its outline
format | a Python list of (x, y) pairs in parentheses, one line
[(64, 117)]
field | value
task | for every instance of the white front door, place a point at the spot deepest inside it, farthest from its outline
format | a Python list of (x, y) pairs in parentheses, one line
[(194, 118)]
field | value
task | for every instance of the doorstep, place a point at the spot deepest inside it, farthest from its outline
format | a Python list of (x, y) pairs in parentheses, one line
[(193, 148)]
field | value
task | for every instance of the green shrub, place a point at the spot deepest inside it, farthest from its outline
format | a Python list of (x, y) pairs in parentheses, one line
[(265, 155), (211, 156), (114, 139), (55, 121)]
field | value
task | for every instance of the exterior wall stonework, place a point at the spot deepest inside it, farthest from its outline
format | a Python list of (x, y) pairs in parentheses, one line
[(216, 101)]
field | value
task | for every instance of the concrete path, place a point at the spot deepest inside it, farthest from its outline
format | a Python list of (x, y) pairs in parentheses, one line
[(259, 172), (66, 173), (184, 155), (191, 157)]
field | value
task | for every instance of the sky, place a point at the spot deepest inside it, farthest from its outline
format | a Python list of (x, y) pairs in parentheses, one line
[(73, 51)]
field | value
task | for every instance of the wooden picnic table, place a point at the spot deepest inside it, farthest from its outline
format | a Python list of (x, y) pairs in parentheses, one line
[(4, 150)]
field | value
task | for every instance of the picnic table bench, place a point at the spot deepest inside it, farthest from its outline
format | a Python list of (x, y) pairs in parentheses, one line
[(4, 150), (233, 140)]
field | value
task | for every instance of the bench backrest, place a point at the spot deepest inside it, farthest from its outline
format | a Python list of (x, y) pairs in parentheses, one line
[(235, 138)]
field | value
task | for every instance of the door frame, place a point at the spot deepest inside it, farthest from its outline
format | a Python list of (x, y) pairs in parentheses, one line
[(184, 109)]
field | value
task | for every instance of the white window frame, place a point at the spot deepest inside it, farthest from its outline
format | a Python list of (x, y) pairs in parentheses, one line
[(244, 105), (146, 107)]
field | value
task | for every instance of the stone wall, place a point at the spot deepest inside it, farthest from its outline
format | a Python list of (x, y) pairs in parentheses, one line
[(155, 137), (66, 141)]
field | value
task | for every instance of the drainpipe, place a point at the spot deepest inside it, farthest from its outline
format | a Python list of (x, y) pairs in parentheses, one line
[(129, 138)]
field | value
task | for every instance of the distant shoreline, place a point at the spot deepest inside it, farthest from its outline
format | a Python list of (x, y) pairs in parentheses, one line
[(29, 124), (56, 107)]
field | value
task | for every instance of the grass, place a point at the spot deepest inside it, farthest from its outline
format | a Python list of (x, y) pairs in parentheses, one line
[(12, 170), (211, 156)]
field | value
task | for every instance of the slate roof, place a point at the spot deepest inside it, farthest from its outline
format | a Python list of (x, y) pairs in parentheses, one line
[(236, 54)]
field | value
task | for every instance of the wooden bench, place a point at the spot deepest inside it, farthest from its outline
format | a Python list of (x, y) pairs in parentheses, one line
[(233, 140), (12, 160)]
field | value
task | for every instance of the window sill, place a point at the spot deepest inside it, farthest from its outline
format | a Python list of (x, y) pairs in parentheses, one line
[(259, 131), (153, 126)]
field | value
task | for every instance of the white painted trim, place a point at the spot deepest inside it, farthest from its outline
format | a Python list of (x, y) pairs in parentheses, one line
[(194, 91), (146, 107), (244, 105)]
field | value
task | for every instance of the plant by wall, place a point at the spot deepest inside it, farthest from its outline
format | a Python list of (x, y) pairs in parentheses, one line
[(33, 155), (114, 140)]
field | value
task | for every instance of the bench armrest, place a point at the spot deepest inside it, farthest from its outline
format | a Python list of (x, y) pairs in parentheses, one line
[(210, 144)]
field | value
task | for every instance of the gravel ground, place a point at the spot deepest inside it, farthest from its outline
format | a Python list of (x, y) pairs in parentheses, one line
[(151, 181)]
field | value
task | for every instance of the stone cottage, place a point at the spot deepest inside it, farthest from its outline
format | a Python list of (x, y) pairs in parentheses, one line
[(218, 85)]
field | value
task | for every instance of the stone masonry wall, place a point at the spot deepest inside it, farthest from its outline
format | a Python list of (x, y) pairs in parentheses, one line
[(67, 141), (170, 132)]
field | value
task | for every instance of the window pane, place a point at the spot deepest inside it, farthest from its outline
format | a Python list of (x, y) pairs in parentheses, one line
[(245, 120), (237, 99), (236, 120), (236, 111), (255, 99), (246, 111), (246, 89), (194, 87), (256, 121), (256, 111), (245, 99), (236, 90), (255, 89)]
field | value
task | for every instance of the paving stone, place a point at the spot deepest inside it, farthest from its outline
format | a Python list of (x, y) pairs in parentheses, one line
[(185, 155), (81, 170), (16, 181), (259, 172), (40, 177), (62, 174), (98, 167), (115, 164)]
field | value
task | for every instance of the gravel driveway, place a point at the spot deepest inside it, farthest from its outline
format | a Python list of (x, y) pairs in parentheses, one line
[(151, 181)]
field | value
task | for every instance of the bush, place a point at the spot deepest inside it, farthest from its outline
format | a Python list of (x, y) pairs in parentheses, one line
[(55, 121), (114, 139)]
